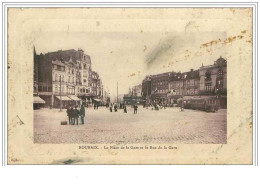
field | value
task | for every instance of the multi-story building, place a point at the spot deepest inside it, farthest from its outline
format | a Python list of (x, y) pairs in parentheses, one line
[(137, 90), (213, 80), (37, 101), (146, 86), (35, 73), (183, 84), (134, 96), (64, 77), (159, 87), (208, 80)]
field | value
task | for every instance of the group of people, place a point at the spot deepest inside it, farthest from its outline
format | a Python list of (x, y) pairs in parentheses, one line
[(115, 107), (111, 106), (74, 114), (156, 106)]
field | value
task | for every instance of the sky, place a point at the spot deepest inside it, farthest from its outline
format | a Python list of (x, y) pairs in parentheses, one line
[(127, 57)]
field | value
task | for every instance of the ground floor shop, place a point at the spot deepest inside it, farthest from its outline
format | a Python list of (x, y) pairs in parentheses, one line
[(57, 101), (159, 99), (38, 102)]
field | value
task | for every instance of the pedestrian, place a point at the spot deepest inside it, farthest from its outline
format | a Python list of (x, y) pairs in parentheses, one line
[(125, 110), (115, 108), (82, 113), (72, 114), (76, 115), (94, 106), (135, 109), (69, 114), (110, 107)]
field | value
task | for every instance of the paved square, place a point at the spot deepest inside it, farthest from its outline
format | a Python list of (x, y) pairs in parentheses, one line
[(147, 126)]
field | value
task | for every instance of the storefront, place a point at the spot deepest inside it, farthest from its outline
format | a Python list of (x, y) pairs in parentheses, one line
[(86, 98), (37, 102), (96, 101), (62, 101), (75, 100), (172, 99), (159, 98)]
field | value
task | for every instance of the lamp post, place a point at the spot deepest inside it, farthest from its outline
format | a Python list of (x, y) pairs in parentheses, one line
[(183, 78), (60, 94), (117, 91)]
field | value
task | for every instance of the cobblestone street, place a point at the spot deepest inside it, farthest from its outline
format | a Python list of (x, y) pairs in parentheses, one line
[(148, 126)]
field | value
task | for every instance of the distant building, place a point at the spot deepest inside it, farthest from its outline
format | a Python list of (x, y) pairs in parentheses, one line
[(159, 87), (183, 84), (137, 90), (135, 96), (213, 80), (208, 80), (35, 73), (146, 89)]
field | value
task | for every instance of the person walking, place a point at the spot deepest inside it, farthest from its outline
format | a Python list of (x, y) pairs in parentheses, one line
[(115, 108), (76, 115), (72, 114), (82, 113), (110, 107), (135, 109), (125, 110)]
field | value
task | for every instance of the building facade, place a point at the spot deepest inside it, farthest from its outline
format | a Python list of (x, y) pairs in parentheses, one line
[(65, 78), (181, 84), (209, 80), (134, 96), (159, 87)]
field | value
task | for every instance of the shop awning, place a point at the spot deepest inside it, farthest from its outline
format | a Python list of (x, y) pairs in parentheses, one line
[(63, 98), (37, 99), (73, 97), (97, 100)]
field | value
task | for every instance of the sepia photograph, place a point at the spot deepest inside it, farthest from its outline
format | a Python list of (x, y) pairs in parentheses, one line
[(130, 88)]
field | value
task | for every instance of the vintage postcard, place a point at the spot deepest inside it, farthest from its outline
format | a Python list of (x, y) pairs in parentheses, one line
[(130, 85)]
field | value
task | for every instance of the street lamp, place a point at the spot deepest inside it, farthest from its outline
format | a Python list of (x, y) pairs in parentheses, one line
[(183, 78), (60, 94)]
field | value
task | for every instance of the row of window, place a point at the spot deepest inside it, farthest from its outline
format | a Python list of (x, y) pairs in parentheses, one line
[(160, 83), (219, 85), (220, 74), (71, 71), (162, 91), (93, 84), (58, 67), (188, 92), (186, 83), (57, 89), (83, 90), (70, 80), (94, 76), (44, 88)]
